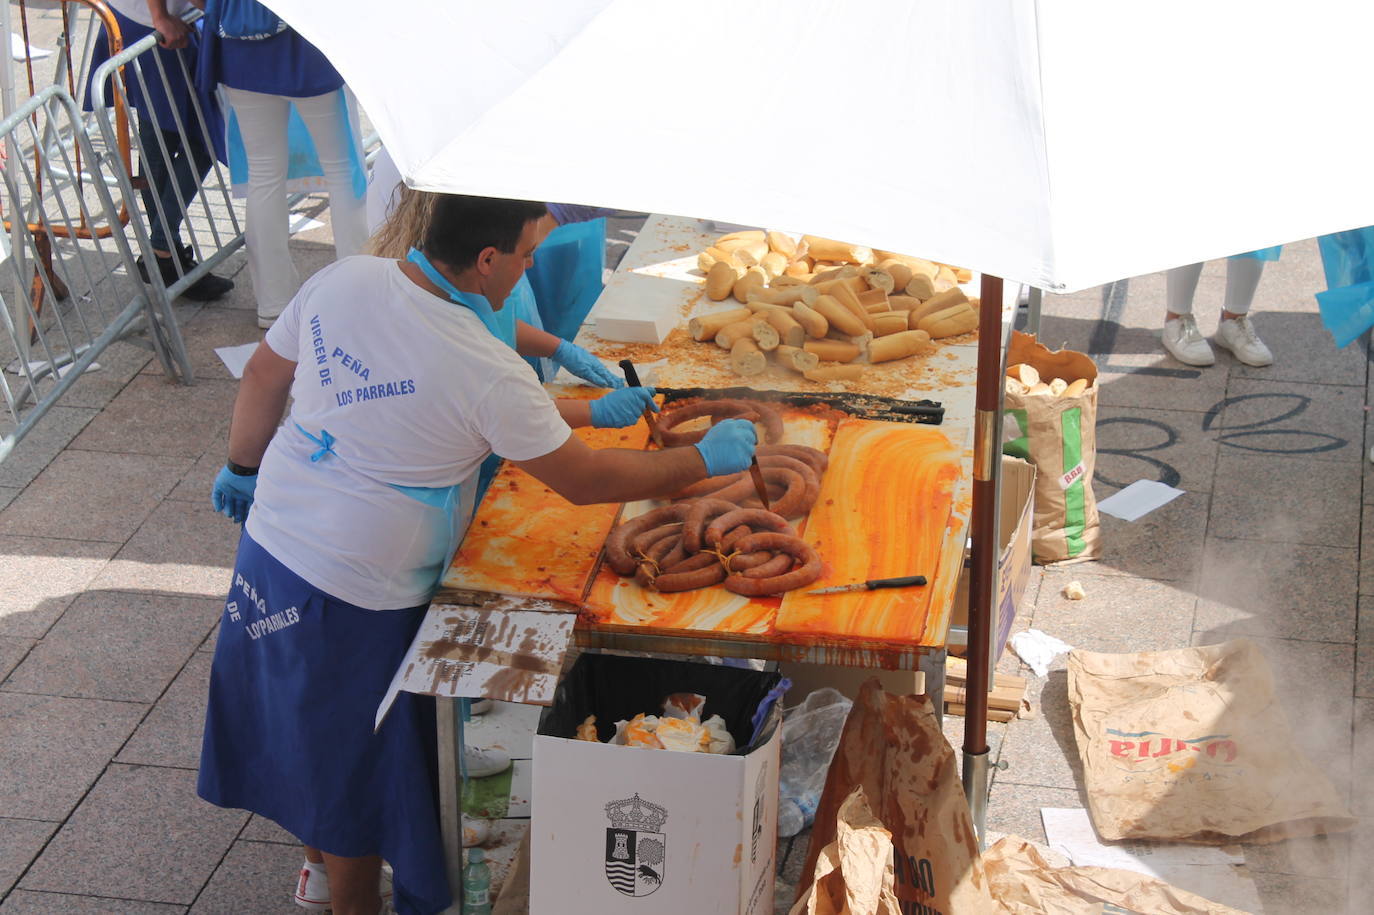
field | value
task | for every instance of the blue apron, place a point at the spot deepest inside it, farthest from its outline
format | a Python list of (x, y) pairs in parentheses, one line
[(296, 681), (566, 276)]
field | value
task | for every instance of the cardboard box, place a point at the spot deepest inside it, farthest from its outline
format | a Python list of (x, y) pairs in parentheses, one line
[(613, 825), (1014, 523)]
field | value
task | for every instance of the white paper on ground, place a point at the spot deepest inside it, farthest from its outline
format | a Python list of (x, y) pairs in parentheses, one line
[(1210, 871), (235, 357), (1138, 499), (1038, 649), (303, 223)]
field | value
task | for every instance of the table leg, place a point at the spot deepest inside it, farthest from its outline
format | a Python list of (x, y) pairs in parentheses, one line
[(450, 727), (932, 664)]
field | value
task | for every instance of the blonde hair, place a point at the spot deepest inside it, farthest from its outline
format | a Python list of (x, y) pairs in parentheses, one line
[(407, 224)]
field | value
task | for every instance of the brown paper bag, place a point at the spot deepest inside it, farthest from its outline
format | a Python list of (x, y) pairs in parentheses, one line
[(893, 748), (1059, 436), (853, 874), (1191, 745), (1023, 883)]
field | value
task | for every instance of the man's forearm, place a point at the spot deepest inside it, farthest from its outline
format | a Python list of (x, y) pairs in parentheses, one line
[(622, 475), (535, 343), (576, 413), (257, 413)]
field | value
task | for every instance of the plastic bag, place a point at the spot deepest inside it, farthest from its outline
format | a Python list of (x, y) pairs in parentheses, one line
[(810, 733), (1347, 306)]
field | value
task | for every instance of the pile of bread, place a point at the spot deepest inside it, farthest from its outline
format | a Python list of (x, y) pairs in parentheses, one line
[(1025, 380), (825, 308)]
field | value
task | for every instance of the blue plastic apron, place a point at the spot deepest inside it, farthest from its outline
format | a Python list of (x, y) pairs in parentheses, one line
[(566, 276)]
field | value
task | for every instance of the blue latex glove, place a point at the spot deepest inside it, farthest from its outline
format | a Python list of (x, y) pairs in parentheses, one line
[(233, 494), (622, 408), (585, 366), (728, 446)]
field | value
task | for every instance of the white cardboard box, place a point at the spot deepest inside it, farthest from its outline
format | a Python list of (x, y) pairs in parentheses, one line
[(616, 831)]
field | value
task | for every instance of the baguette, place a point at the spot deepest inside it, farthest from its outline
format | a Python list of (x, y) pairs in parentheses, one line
[(959, 319), (832, 350), (877, 278), (1076, 388), (782, 243), (903, 302), (835, 373), (899, 346), (920, 286), (827, 274), (754, 278), (850, 300), (945, 279), (1024, 373), (830, 250), (1058, 386), (947, 299), (785, 295), (705, 327), (837, 316), (812, 321), (915, 264), (764, 334), (746, 358), (720, 279), (874, 299), (795, 358), (773, 264), (891, 322), (789, 329), (744, 236), (901, 273), (706, 260)]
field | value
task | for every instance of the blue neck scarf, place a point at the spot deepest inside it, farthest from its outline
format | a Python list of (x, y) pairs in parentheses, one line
[(491, 319)]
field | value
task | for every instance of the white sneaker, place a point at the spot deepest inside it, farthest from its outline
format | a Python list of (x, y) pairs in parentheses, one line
[(312, 889), (479, 706), (1238, 335), (1184, 343), (475, 832), (481, 763)]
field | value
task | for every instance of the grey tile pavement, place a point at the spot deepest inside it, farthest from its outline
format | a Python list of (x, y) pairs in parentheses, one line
[(156, 416), (170, 734), (254, 877), (1167, 544), (93, 495), (1285, 500), (46, 441), (20, 843), (182, 548), (212, 327), (12, 651), (113, 645), (26, 902), (1364, 650), (40, 577), (1277, 589), (55, 748), (1313, 422), (140, 834), (1170, 446)]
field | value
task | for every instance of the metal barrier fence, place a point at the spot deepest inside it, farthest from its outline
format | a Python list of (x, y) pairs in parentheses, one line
[(60, 314)]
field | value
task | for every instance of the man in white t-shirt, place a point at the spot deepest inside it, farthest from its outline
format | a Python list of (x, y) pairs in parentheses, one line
[(400, 386)]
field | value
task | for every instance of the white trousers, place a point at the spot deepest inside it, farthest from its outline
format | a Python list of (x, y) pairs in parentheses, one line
[(263, 122), (1242, 279)]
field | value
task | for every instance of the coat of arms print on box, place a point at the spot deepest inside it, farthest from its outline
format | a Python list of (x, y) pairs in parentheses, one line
[(635, 846)]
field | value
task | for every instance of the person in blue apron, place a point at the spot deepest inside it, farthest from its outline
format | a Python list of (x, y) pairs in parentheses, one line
[(1235, 331), (401, 381), (167, 119)]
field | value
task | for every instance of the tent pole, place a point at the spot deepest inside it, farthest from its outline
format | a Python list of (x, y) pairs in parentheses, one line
[(983, 583)]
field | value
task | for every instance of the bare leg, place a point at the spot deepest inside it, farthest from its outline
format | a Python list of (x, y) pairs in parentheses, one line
[(313, 855), (353, 884)]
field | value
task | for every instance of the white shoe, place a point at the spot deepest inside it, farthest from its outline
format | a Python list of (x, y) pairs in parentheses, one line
[(479, 706), (481, 763), (1238, 335), (475, 832), (1184, 343), (265, 322), (312, 889)]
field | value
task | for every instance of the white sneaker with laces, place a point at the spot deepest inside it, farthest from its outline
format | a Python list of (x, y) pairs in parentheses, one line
[(1185, 343), (312, 889), (481, 763), (1238, 335)]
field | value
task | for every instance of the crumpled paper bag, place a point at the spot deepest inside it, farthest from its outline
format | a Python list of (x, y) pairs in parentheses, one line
[(853, 874), (1191, 745), (1023, 883)]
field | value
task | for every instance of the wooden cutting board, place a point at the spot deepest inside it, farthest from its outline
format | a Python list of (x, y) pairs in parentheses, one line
[(884, 511)]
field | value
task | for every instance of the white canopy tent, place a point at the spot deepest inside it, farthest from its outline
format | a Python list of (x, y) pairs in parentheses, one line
[(1061, 143)]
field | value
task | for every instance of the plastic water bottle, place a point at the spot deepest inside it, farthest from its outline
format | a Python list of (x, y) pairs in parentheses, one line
[(791, 820), (476, 884)]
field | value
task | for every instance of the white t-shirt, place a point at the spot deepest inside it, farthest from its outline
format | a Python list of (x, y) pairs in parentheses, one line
[(416, 392), (137, 10)]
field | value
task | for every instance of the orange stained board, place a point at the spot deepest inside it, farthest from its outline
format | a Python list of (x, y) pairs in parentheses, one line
[(528, 541), (619, 602), (883, 511)]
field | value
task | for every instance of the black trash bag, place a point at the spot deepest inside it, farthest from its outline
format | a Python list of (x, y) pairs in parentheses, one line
[(616, 688)]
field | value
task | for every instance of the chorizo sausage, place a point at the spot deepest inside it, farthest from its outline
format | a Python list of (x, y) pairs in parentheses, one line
[(681, 578), (775, 564), (709, 486), (754, 518), (792, 503), (618, 555), (808, 570), (699, 514), (816, 459), (639, 545), (648, 568), (716, 409), (730, 539)]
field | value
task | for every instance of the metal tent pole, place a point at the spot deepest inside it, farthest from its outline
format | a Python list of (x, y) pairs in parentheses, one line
[(983, 583)]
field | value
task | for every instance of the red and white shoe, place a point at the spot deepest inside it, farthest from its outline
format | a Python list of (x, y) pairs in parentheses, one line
[(312, 889)]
